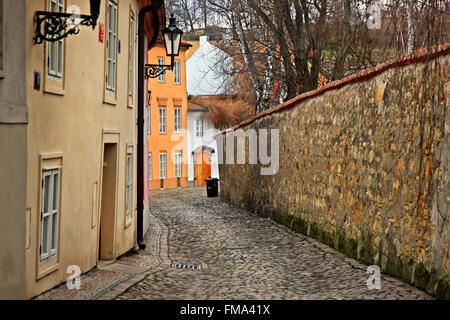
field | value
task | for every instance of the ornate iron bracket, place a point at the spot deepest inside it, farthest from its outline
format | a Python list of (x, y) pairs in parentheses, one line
[(54, 26), (155, 70)]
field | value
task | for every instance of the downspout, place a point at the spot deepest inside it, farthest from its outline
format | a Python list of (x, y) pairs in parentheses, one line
[(140, 119)]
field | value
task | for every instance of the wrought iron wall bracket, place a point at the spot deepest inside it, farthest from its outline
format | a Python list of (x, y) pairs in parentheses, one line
[(54, 26), (155, 70)]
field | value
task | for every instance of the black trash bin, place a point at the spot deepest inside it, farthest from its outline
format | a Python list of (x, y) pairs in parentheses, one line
[(212, 187)]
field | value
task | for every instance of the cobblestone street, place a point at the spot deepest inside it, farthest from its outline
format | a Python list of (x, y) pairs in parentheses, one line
[(243, 256)]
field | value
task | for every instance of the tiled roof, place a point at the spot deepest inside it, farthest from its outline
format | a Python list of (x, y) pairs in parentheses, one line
[(416, 56), (196, 107)]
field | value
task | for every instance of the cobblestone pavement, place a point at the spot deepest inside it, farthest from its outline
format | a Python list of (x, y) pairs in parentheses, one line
[(244, 256), (108, 281), (93, 284)]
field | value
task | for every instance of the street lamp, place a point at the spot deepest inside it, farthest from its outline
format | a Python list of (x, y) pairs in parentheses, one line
[(172, 40), (54, 26)]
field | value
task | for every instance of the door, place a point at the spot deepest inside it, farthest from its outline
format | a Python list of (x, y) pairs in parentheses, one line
[(108, 209), (202, 168)]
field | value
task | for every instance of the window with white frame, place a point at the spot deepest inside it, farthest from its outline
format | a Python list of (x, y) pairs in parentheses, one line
[(49, 213), (161, 76), (162, 120), (129, 185), (177, 120), (162, 165), (150, 177), (178, 165), (199, 128), (111, 47), (55, 49), (131, 58), (176, 72)]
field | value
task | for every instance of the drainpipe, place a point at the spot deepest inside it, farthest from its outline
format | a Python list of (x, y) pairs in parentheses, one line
[(153, 8)]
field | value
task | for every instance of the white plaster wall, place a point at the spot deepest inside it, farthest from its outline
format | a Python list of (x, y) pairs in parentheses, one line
[(207, 140), (205, 70)]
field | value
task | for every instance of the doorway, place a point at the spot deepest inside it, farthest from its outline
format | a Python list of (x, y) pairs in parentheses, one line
[(202, 168), (108, 206)]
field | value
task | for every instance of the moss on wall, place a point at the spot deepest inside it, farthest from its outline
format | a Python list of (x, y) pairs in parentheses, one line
[(367, 176)]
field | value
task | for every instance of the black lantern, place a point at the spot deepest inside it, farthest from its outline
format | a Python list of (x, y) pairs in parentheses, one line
[(172, 41), (54, 26), (172, 38)]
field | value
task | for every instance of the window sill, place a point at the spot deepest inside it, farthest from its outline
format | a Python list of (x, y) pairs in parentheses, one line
[(130, 104), (42, 271), (128, 222), (110, 98), (55, 91)]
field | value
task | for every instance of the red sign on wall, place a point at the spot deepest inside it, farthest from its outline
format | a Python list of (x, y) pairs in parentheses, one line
[(100, 33)]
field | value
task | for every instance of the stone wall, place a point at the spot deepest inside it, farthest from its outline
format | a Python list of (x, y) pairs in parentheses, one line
[(364, 168)]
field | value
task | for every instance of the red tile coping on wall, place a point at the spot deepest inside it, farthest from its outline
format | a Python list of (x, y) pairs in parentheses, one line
[(417, 56)]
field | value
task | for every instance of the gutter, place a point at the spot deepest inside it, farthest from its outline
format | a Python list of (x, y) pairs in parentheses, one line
[(153, 8)]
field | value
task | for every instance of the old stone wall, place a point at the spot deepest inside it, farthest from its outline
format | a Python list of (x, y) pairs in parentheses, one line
[(364, 168)]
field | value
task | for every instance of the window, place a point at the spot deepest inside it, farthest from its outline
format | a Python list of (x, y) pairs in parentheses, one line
[(55, 49), (162, 120), (129, 186), (49, 213), (162, 165), (177, 165), (176, 72), (131, 59), (177, 120), (111, 47), (199, 128), (161, 76), (150, 177)]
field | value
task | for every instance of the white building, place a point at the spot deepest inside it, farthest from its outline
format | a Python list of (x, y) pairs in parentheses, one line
[(207, 70), (202, 147)]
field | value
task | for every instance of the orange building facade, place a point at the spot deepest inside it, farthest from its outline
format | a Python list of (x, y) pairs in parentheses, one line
[(167, 143)]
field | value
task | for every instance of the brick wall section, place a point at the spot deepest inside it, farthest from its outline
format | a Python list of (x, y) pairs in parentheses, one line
[(364, 168)]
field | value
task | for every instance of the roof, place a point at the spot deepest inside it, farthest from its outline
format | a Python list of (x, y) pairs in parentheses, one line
[(195, 45), (154, 21), (194, 107), (417, 56)]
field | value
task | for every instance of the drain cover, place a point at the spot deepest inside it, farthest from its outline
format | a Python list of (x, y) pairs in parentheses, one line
[(186, 266), (237, 247)]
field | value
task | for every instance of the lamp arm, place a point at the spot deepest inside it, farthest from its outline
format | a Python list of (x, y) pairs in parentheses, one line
[(155, 70)]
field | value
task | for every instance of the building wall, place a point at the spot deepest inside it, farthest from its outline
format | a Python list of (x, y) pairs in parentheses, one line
[(364, 168), (71, 120), (205, 69), (13, 150), (207, 140), (167, 95)]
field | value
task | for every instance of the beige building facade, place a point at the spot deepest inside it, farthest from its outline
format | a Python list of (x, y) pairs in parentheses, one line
[(68, 142)]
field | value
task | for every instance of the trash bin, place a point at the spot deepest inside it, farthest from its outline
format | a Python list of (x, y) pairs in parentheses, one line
[(212, 187)]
